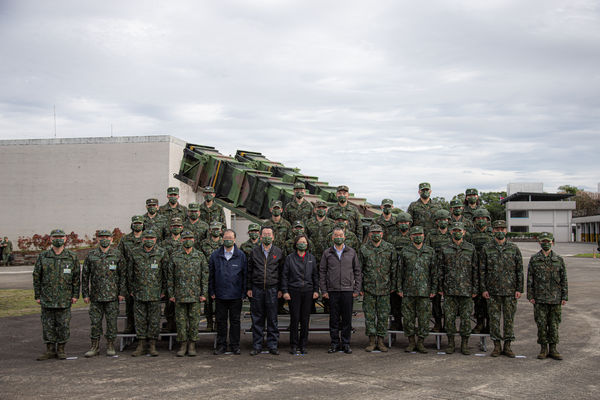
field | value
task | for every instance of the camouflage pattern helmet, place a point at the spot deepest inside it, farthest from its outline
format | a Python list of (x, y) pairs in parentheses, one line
[(481, 213), (194, 207), (209, 189), (546, 236), (187, 235), (471, 191), (424, 185), (176, 221), (298, 224), (253, 227), (57, 232), (320, 203), (404, 217), (216, 225), (500, 223), (104, 232), (387, 202), (173, 190), (340, 215), (441, 214), (375, 228), (299, 185), (415, 230), (277, 203), (150, 202), (149, 234), (342, 188), (455, 203), (137, 219), (457, 226)]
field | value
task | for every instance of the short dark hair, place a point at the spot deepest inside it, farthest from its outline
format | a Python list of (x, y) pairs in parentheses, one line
[(300, 237), (266, 227), (337, 228), (230, 230)]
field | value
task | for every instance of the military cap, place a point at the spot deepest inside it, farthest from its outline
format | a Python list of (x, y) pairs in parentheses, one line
[(149, 233), (415, 230), (209, 189), (297, 224), (137, 218), (441, 214), (499, 224), (151, 201), (341, 215), (424, 185), (215, 225), (343, 188), (457, 225), (481, 213), (173, 190), (299, 185), (253, 227), (104, 232), (387, 202), (194, 207), (375, 228), (277, 203), (57, 232), (546, 236), (320, 203), (187, 234), (471, 191), (176, 221), (404, 217), (455, 202)]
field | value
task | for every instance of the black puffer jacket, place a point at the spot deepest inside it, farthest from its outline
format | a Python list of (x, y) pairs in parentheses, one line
[(265, 272), (300, 273)]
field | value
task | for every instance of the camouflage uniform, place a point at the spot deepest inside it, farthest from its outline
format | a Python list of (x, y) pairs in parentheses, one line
[(436, 239), (354, 219), (479, 238), (208, 246), (388, 225), (281, 229), (320, 233), (188, 281), (469, 210), (214, 213), (379, 265), (170, 212), (198, 227), (158, 223), (399, 240), (56, 279), (126, 245), (7, 249), (422, 213), (294, 211), (248, 245)]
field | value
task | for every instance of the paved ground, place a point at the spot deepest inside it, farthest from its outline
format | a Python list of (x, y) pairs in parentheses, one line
[(318, 374)]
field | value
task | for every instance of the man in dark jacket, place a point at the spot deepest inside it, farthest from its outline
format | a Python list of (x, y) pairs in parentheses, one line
[(340, 281), (227, 286), (265, 266)]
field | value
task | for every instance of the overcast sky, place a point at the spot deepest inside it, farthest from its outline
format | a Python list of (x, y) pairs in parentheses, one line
[(379, 95)]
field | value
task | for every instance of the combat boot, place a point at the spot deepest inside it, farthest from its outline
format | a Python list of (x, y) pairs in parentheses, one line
[(381, 345), (110, 348), (464, 346), (152, 349), (140, 349), (437, 327), (371, 345), (60, 351), (451, 345), (420, 347), (50, 352), (94, 350), (497, 349), (543, 352), (478, 327), (191, 348), (553, 353), (411, 344), (507, 350), (182, 349)]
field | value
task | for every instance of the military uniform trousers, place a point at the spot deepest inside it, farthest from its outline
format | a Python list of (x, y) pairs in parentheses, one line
[(109, 310), (547, 318), (56, 324), (377, 314), (187, 320), (147, 319), (416, 308), (458, 306), (505, 306)]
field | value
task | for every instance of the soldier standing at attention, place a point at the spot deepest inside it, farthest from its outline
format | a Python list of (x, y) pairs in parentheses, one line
[(386, 220), (128, 243), (416, 284), (436, 239), (209, 210), (344, 207), (6, 250), (208, 246), (187, 287), (480, 236), (502, 285), (56, 287), (379, 262), (155, 221), (281, 227), (459, 283), (400, 238), (173, 208), (148, 285), (422, 210), (547, 290), (103, 283), (299, 208), (253, 239), (472, 203), (171, 245), (195, 225)]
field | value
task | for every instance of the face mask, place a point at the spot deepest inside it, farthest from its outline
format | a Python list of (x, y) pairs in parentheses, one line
[(215, 233), (177, 230), (472, 200), (148, 244), (417, 239), (104, 243), (298, 231), (321, 212), (376, 237), (302, 246), (58, 242), (387, 210), (299, 195), (137, 227), (442, 224), (403, 227), (338, 240), (266, 240), (152, 210), (173, 200), (457, 235), (228, 243), (457, 211), (499, 235), (209, 197), (253, 235), (481, 223), (341, 199), (340, 225), (188, 243), (546, 246), (425, 194), (193, 216), (276, 212)]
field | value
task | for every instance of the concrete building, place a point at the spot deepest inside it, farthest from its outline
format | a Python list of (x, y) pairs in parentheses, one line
[(85, 184), (587, 222), (529, 209)]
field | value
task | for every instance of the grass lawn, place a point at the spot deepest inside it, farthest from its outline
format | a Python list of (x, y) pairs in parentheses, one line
[(15, 302), (587, 255)]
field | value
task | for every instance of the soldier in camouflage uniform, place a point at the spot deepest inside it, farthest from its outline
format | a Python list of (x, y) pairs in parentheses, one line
[(147, 283), (173, 208), (155, 221), (456, 215), (422, 210), (297, 229), (379, 262), (436, 239), (400, 238), (209, 210), (472, 203), (416, 283), (548, 291), (208, 246), (341, 221), (103, 283), (187, 288), (171, 245), (56, 287), (386, 220), (195, 225), (127, 244), (253, 239), (351, 212), (502, 285), (319, 228), (281, 227), (6, 248), (459, 283), (480, 236), (298, 209)]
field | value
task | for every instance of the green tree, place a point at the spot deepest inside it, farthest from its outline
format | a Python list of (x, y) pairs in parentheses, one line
[(491, 201), (442, 202), (569, 189)]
